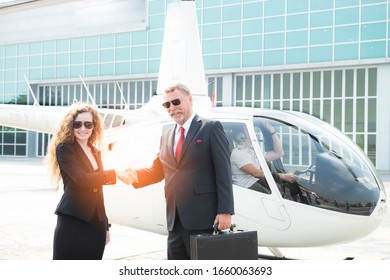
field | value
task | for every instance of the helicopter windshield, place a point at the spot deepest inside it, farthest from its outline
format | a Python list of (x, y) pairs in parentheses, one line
[(327, 172)]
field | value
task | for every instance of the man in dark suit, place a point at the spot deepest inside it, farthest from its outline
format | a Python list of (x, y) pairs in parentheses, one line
[(198, 184)]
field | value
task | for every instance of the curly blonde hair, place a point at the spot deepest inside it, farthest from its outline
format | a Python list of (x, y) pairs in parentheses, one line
[(65, 134)]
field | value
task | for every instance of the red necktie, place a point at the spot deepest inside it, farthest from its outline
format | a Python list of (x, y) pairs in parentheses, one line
[(179, 143)]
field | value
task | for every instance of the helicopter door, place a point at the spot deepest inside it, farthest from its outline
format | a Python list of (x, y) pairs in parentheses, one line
[(254, 179)]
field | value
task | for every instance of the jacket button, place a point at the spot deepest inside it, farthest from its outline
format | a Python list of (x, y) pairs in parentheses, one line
[(95, 190)]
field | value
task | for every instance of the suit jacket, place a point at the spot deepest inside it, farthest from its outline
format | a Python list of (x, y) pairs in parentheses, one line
[(199, 185), (83, 186)]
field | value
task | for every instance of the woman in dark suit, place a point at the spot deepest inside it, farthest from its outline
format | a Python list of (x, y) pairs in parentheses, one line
[(82, 229)]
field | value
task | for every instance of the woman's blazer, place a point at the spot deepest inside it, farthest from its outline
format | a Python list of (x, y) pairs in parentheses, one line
[(83, 186)]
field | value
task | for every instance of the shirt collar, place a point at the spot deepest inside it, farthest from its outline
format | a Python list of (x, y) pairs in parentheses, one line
[(186, 125)]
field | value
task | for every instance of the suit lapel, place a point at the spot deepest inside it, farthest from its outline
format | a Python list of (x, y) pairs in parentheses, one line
[(84, 159), (194, 127)]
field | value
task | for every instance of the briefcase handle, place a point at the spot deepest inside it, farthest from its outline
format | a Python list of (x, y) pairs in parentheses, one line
[(217, 231)]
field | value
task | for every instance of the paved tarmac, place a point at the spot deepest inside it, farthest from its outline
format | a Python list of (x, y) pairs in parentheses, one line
[(27, 221)]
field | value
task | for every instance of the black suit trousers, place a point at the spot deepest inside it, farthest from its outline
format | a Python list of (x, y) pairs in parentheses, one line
[(179, 240)]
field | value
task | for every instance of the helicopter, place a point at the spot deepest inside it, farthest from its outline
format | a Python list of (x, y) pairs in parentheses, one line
[(338, 195)]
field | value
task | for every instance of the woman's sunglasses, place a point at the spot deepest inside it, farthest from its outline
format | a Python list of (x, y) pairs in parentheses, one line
[(79, 124), (175, 102)]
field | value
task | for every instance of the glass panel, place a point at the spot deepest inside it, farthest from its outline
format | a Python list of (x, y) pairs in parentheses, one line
[(360, 140), (20, 150), (8, 150), (274, 24), (373, 13), (273, 57), (219, 89), (231, 45), (275, 7), (248, 90), (337, 117), (231, 60), (296, 106), (306, 85), (297, 38), (347, 34), (371, 115), (246, 168), (349, 82), (139, 93), (286, 86), (371, 147), (298, 55), (211, 31), (212, 15), (298, 6), (252, 26), (276, 86), (211, 46), (274, 41), (251, 59), (317, 84), (306, 107), (250, 43), (346, 52), (239, 88), (132, 96), (231, 29), (373, 31), (231, 12), (321, 54), (327, 84), (286, 105), (257, 87), (344, 3), (372, 77), (338, 83), (321, 36), (299, 21), (9, 137), (360, 115), (326, 111), (319, 19), (373, 49), (317, 109), (329, 173), (296, 85), (347, 16), (320, 5), (276, 105), (360, 80), (348, 115), (252, 10), (267, 86)]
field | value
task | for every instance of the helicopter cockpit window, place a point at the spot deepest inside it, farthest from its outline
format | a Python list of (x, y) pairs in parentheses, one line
[(246, 169), (327, 172)]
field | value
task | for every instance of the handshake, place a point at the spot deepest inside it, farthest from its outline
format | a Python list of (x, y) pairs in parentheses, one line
[(128, 176)]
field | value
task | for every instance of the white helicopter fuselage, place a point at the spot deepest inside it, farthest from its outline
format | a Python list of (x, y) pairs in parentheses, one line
[(280, 222)]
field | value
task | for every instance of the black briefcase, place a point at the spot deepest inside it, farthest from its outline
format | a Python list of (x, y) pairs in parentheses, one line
[(230, 245)]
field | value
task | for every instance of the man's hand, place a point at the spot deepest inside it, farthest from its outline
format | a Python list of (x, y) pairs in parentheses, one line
[(224, 221)]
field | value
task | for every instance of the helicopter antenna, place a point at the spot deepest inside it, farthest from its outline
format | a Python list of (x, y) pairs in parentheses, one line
[(122, 97), (89, 94), (36, 103)]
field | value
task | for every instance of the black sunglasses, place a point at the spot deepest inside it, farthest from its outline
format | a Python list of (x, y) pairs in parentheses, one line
[(175, 102), (78, 124)]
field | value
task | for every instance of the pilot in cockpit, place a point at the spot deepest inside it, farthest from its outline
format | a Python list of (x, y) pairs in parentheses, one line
[(246, 169)]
